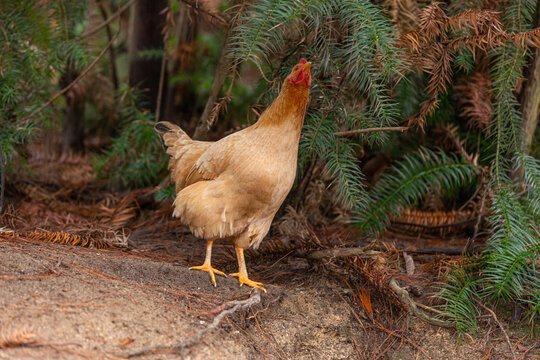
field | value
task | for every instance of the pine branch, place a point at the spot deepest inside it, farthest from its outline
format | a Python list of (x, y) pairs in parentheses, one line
[(74, 82), (109, 20)]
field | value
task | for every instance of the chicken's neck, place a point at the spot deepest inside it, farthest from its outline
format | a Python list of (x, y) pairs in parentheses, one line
[(287, 110)]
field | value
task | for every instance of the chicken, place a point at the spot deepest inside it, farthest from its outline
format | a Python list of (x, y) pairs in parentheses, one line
[(231, 189)]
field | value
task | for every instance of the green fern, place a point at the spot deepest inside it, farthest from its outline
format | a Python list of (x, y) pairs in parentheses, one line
[(337, 155), (261, 28), (410, 180), (348, 39), (513, 244), (458, 292), (531, 181), (38, 42), (135, 158)]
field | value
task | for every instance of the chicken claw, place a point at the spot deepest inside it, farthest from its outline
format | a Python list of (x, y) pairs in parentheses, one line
[(207, 265), (244, 280), (242, 272), (210, 270)]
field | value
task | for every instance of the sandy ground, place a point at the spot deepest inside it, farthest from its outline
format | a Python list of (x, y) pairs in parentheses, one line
[(80, 303)]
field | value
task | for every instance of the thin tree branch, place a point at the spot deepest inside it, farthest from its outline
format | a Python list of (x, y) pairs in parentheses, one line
[(196, 7), (470, 243), (83, 74), (362, 131), (112, 52), (233, 306), (492, 313), (108, 21), (224, 65), (163, 64)]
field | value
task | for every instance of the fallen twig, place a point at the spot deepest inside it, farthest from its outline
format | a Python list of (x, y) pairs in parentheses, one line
[(225, 309), (362, 131), (439, 251), (492, 313), (341, 252), (411, 304)]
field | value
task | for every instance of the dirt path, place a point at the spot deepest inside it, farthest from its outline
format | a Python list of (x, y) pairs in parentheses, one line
[(91, 304)]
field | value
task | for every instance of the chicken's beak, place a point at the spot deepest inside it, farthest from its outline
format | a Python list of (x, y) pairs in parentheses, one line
[(307, 66)]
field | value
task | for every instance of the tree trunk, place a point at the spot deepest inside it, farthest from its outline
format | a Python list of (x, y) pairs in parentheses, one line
[(73, 122), (530, 99), (222, 70), (187, 28), (147, 22)]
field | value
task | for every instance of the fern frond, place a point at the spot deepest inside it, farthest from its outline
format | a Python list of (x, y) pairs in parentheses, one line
[(260, 30), (459, 291), (474, 100), (531, 295), (135, 157), (372, 57), (341, 164), (409, 182), (513, 244), (505, 128), (338, 156)]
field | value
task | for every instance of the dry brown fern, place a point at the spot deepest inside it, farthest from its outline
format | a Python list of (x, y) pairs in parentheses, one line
[(96, 239), (118, 215), (431, 49), (20, 336), (441, 222), (404, 13), (447, 138), (474, 101)]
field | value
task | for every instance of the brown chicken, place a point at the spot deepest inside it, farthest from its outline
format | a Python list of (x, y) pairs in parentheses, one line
[(231, 189)]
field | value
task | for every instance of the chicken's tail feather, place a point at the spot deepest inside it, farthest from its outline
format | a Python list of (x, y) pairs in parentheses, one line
[(169, 133), (183, 151)]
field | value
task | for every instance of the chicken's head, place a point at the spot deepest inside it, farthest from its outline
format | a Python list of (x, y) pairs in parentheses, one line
[(301, 74)]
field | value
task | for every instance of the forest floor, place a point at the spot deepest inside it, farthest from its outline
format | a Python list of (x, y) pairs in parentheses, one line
[(131, 287), (72, 302)]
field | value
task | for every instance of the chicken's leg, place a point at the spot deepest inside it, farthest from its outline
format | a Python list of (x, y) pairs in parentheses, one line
[(207, 266), (242, 271)]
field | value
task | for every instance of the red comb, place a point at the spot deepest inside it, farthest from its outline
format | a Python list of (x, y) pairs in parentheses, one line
[(303, 61)]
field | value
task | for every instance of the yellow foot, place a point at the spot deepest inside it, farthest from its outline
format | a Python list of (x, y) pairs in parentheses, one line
[(244, 280), (209, 269)]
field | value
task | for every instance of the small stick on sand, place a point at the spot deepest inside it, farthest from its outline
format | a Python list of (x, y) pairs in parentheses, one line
[(225, 309)]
